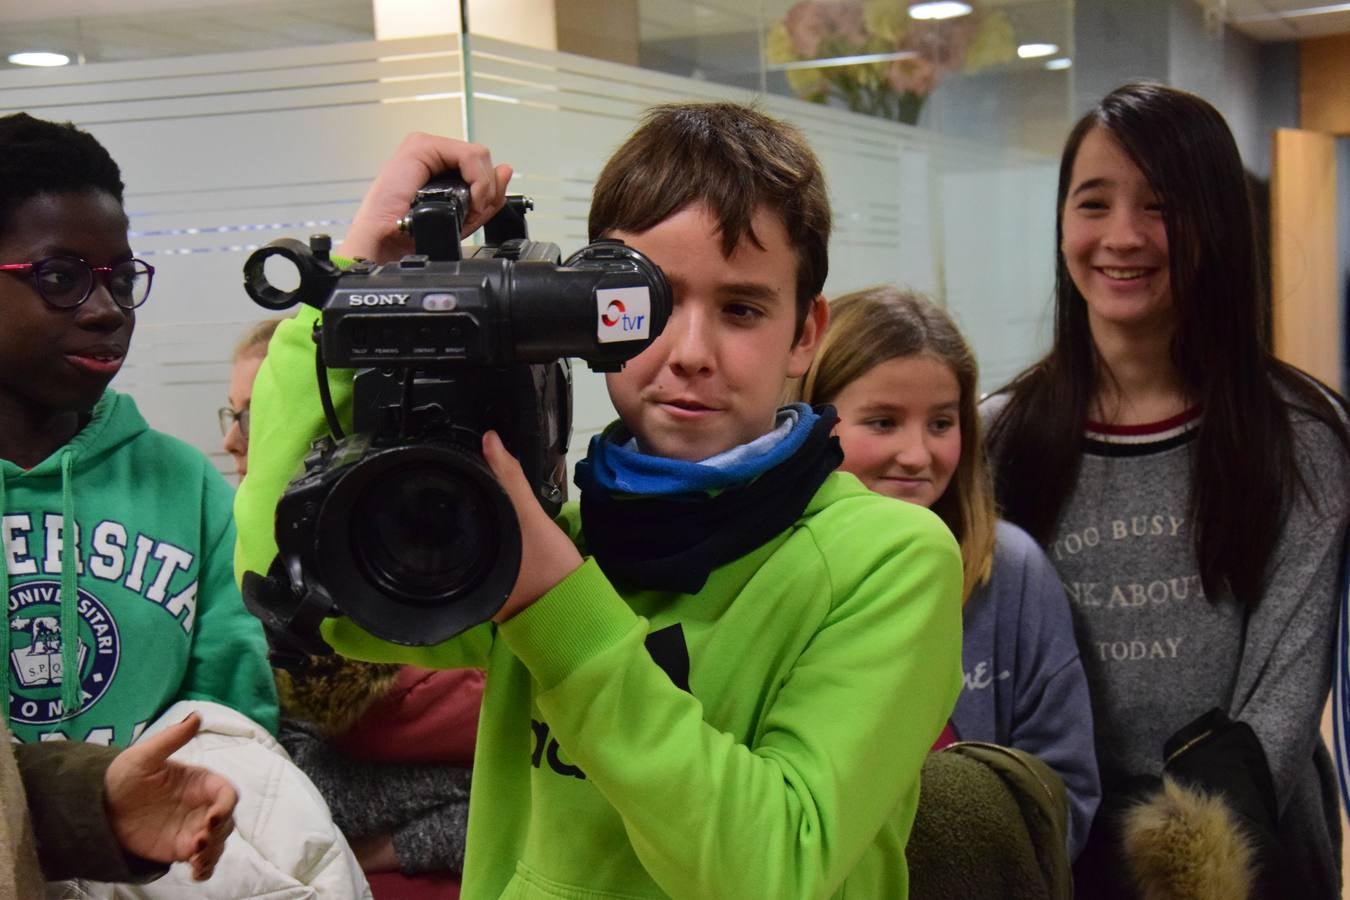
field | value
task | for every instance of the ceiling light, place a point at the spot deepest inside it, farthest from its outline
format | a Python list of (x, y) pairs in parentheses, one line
[(1055, 65), (38, 58), (1294, 13), (1035, 51), (833, 61), (942, 9)]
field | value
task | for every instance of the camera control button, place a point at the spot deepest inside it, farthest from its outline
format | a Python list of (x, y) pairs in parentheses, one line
[(439, 302)]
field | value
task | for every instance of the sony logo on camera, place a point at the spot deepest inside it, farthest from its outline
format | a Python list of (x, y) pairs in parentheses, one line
[(377, 299)]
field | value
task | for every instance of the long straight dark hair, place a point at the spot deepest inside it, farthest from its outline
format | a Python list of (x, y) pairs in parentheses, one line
[(1243, 455)]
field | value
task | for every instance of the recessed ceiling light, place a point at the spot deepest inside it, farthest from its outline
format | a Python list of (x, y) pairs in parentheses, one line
[(834, 61), (1035, 51), (38, 58), (941, 9), (1055, 65)]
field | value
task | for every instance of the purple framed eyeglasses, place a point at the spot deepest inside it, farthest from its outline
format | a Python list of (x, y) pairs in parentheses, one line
[(65, 281)]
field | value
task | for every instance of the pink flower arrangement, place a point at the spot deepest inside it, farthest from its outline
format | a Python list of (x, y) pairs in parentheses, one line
[(903, 59)]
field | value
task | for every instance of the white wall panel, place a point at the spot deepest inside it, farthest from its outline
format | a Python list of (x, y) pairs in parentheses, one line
[(224, 153)]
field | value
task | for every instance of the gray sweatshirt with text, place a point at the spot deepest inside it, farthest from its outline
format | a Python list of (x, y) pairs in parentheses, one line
[(1158, 653)]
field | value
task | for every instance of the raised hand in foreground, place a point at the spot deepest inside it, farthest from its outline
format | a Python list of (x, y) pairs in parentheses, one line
[(165, 811)]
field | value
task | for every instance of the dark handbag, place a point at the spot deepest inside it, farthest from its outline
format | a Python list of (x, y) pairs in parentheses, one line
[(1222, 756), (1217, 755), (1210, 757)]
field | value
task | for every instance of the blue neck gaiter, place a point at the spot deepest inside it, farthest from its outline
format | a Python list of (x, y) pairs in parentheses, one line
[(614, 464)]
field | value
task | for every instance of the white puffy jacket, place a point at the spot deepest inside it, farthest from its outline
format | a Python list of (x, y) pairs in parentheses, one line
[(284, 846)]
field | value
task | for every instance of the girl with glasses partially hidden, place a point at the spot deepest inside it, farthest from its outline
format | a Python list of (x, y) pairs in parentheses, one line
[(144, 612), (248, 357)]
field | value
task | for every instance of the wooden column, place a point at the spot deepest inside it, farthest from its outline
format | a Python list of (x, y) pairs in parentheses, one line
[(1304, 277)]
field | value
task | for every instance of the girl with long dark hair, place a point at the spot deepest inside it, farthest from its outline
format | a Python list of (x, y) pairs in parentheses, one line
[(1190, 489)]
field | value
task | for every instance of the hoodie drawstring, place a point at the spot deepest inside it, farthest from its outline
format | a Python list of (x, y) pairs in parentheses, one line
[(70, 622), (4, 597)]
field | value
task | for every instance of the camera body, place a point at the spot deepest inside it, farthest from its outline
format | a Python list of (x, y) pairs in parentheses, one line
[(401, 525), (506, 303)]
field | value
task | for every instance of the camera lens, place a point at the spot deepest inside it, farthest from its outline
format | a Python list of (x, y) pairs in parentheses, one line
[(416, 543), (422, 532)]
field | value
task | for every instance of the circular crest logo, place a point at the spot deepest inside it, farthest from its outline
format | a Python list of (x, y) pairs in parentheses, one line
[(35, 642), (613, 312)]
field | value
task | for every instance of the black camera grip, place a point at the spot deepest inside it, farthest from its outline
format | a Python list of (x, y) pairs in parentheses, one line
[(290, 643)]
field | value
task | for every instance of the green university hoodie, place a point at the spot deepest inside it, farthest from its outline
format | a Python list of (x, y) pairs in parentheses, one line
[(149, 613), (761, 738)]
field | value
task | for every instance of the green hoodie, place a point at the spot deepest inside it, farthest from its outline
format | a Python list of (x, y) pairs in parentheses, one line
[(150, 596), (773, 750)]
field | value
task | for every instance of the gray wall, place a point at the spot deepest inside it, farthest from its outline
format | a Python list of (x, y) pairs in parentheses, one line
[(1254, 85), (1115, 42)]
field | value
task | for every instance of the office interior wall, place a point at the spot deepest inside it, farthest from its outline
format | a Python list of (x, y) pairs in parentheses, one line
[(223, 153), (1117, 42), (1254, 85), (969, 224)]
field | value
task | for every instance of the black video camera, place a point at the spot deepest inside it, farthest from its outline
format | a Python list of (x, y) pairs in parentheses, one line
[(401, 525)]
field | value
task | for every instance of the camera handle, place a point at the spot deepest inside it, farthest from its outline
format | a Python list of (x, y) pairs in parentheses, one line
[(437, 217), (438, 213), (509, 222)]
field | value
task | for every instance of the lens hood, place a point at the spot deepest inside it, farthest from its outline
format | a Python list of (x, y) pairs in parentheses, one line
[(417, 543)]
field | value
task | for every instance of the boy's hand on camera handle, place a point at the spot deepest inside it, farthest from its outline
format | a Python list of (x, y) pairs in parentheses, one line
[(547, 555), (419, 158)]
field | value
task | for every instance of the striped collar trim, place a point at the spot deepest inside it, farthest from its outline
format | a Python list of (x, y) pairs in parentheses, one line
[(1148, 433)]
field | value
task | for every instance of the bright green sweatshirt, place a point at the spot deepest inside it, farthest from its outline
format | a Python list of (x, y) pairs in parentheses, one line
[(149, 614), (774, 751)]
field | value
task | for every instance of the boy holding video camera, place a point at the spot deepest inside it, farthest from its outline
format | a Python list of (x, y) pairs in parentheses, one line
[(720, 673)]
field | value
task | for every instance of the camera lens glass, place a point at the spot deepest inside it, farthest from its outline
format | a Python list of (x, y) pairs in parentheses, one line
[(425, 533)]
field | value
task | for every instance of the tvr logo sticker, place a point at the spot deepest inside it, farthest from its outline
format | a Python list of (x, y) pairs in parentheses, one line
[(624, 314)]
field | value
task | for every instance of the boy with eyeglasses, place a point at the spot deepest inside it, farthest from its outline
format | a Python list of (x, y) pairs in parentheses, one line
[(720, 673), (145, 612)]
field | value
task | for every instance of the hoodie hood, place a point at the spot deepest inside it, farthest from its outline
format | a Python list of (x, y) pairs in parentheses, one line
[(115, 421)]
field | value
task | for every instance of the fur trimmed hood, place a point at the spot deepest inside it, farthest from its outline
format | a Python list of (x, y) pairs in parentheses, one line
[(333, 692), (1187, 844)]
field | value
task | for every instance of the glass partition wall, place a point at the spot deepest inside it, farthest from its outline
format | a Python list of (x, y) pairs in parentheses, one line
[(238, 123)]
